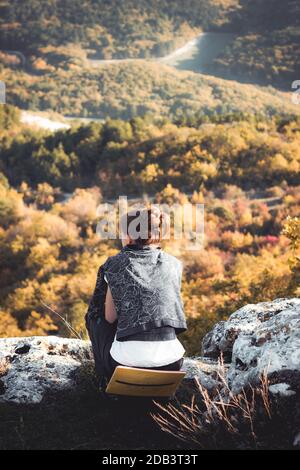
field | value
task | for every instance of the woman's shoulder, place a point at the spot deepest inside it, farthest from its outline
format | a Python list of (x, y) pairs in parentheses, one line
[(115, 260), (121, 259), (172, 259)]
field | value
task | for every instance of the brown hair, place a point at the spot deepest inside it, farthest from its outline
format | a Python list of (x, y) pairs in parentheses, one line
[(151, 230)]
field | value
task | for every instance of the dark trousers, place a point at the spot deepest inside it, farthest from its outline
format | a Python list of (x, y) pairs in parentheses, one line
[(102, 334)]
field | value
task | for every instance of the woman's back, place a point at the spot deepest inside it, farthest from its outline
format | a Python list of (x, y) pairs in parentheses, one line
[(145, 286)]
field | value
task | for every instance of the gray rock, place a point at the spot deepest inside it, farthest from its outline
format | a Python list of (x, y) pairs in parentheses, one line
[(215, 342), (32, 367), (260, 338), (205, 372)]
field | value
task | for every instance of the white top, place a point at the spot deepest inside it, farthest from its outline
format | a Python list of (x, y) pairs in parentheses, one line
[(146, 353)]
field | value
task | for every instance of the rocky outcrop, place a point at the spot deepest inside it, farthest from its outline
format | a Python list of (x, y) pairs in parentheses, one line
[(262, 342), (37, 368), (48, 383), (49, 399), (256, 339), (31, 368), (260, 338)]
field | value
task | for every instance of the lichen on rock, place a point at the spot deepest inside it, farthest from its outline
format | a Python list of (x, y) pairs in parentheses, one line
[(32, 367), (257, 339)]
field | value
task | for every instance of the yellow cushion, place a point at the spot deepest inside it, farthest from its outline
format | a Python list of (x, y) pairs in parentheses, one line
[(131, 381)]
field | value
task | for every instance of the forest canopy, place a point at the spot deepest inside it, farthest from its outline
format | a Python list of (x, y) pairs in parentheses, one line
[(145, 154), (265, 50), (163, 134), (50, 254), (112, 28)]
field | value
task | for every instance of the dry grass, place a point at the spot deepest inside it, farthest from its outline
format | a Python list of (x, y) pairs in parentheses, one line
[(221, 419), (64, 321)]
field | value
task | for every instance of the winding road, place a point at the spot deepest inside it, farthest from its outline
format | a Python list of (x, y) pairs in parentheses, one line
[(196, 55)]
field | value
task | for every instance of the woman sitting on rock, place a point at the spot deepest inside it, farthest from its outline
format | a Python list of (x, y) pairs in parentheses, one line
[(136, 310)]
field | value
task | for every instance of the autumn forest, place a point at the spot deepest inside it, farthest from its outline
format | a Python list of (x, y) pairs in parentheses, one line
[(227, 137)]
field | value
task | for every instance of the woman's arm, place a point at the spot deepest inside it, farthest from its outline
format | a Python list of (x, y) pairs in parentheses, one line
[(96, 307), (110, 309)]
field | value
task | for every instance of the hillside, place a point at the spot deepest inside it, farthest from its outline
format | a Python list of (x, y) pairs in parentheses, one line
[(265, 50), (245, 170), (126, 90), (111, 28)]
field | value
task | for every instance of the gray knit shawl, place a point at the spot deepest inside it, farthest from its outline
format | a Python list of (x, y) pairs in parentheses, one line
[(145, 284)]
